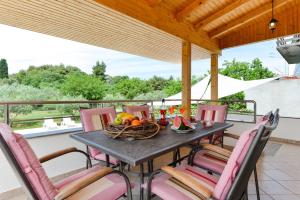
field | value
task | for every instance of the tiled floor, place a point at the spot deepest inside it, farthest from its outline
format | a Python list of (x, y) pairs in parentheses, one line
[(278, 169)]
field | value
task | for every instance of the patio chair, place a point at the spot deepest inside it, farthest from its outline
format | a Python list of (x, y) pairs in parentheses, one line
[(215, 113), (68, 122), (142, 111), (187, 182), (50, 124), (95, 119), (93, 183), (214, 158)]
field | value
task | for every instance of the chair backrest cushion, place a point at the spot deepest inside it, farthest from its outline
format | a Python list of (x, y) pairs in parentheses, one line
[(140, 111), (29, 163), (234, 162), (93, 119), (216, 113)]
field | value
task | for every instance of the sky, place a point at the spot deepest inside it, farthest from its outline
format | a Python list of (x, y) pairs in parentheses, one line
[(22, 48)]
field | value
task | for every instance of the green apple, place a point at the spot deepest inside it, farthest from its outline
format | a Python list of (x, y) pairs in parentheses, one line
[(118, 121)]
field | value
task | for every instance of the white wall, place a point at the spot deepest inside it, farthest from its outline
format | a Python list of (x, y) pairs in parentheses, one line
[(282, 94), (43, 146), (287, 129)]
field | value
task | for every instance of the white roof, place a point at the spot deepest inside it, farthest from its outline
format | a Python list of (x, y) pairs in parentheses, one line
[(227, 86)]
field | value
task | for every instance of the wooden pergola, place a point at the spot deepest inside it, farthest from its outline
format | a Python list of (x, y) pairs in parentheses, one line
[(168, 30)]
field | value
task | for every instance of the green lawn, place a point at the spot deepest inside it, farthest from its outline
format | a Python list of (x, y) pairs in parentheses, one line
[(32, 122)]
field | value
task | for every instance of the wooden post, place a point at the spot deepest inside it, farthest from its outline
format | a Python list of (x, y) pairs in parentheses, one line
[(214, 76), (186, 78)]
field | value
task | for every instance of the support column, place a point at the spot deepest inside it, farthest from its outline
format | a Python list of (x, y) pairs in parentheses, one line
[(214, 76), (186, 77)]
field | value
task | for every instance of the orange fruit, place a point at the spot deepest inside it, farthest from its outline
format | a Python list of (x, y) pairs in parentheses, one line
[(136, 122)]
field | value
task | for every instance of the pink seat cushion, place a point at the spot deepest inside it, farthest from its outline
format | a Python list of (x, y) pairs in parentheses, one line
[(205, 161), (140, 111), (29, 163), (234, 162), (166, 189), (91, 121), (109, 187)]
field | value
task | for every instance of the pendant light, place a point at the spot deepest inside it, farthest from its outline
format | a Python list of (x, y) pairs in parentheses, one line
[(273, 22)]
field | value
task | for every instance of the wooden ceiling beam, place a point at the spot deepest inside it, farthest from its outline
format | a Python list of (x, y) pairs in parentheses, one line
[(181, 14), (153, 3), (245, 19), (220, 13), (164, 20)]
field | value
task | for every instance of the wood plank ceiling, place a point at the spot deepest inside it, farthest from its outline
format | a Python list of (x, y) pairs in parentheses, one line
[(155, 28)]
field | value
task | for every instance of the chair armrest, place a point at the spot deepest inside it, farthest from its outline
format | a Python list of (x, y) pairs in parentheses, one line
[(63, 152), (187, 180), (217, 149), (81, 183)]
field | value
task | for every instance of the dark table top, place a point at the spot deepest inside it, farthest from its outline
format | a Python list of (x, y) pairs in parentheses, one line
[(138, 151)]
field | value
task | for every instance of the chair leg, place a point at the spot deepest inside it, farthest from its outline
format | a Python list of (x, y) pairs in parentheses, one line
[(178, 155), (222, 141), (107, 160), (256, 184)]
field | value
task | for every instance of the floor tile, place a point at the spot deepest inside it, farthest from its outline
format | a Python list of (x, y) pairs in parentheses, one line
[(285, 197), (278, 175), (293, 186), (272, 187), (262, 197)]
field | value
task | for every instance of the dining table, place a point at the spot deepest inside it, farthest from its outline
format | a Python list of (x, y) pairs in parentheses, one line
[(137, 152)]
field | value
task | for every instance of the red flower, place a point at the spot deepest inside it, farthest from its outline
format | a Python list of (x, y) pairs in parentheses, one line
[(182, 110)]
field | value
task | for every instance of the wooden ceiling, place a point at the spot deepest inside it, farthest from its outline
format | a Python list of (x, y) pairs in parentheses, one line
[(155, 28), (215, 22)]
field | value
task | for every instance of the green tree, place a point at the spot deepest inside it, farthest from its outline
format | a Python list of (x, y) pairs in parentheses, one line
[(131, 88), (3, 69), (99, 70), (157, 83), (174, 86), (245, 71), (89, 87), (154, 95), (45, 75)]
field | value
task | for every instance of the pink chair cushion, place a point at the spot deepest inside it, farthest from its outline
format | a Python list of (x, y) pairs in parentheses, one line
[(166, 189), (214, 113), (234, 162), (91, 121), (205, 161), (107, 188), (140, 111), (29, 163)]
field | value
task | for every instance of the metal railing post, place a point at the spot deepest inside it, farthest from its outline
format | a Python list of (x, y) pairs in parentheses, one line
[(6, 114)]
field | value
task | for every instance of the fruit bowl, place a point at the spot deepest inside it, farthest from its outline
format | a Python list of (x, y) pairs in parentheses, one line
[(139, 132)]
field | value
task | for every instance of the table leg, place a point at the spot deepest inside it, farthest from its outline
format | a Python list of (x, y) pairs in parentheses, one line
[(141, 181), (150, 166)]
